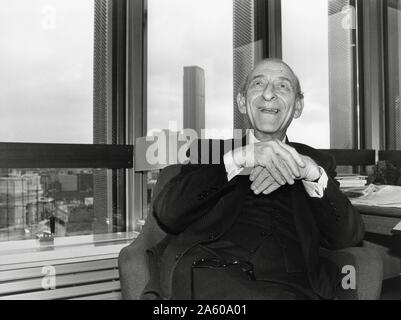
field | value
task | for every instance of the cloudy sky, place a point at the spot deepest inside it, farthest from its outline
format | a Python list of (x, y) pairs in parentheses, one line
[(187, 33), (305, 48), (46, 66), (46, 70)]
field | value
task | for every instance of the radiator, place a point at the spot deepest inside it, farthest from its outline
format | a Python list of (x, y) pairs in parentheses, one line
[(87, 280)]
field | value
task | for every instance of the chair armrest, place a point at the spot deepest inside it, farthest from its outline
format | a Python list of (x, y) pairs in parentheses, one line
[(133, 261), (369, 271), (133, 269)]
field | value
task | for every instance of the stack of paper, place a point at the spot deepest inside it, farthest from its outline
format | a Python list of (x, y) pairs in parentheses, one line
[(351, 180), (383, 196)]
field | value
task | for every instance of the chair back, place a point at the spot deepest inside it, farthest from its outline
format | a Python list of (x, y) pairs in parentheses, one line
[(151, 229), (393, 156), (348, 157), (133, 260)]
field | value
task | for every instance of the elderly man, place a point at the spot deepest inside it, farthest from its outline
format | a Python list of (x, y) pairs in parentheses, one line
[(255, 236)]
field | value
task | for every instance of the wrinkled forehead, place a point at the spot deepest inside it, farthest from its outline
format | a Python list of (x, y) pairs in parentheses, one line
[(273, 69)]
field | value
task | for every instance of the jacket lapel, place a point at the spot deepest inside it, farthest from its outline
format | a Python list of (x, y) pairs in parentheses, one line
[(320, 275)]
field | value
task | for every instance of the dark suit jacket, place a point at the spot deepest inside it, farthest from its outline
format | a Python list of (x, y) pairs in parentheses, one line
[(199, 205)]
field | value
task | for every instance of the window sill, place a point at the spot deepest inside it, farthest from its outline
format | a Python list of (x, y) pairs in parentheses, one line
[(69, 249)]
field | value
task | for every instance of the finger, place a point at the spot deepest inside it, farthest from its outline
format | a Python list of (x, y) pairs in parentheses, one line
[(255, 172), (260, 178), (267, 184), (287, 156), (289, 170), (294, 154), (271, 188), (285, 172), (275, 173)]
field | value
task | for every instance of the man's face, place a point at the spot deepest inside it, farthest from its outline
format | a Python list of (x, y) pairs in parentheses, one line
[(271, 99)]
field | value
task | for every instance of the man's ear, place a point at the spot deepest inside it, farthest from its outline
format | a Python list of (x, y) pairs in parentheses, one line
[(241, 103), (299, 107)]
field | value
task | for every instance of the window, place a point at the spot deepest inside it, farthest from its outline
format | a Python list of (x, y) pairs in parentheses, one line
[(318, 39), (305, 49), (190, 66), (64, 160), (189, 70)]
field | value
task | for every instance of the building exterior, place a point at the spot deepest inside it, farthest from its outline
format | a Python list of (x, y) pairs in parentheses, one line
[(20, 197), (244, 50), (85, 182), (194, 99), (103, 112), (248, 48), (69, 182)]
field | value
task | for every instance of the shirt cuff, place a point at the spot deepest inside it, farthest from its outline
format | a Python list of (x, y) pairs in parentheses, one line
[(232, 169), (316, 189)]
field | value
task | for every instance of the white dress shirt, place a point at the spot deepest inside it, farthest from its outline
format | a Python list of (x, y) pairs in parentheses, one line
[(314, 189)]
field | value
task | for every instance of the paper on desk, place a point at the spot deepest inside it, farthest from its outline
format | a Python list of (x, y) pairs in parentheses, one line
[(384, 196), (397, 229)]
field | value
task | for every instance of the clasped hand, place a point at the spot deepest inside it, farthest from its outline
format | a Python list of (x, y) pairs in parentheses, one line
[(275, 164)]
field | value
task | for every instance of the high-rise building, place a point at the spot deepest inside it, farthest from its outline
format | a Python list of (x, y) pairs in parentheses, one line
[(248, 50), (194, 99), (102, 113)]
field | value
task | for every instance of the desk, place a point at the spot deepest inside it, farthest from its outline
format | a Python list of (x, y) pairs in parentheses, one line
[(380, 234), (380, 220)]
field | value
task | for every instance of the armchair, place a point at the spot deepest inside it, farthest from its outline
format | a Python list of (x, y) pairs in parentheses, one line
[(134, 273)]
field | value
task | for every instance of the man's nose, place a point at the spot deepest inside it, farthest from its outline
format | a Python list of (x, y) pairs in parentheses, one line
[(268, 93)]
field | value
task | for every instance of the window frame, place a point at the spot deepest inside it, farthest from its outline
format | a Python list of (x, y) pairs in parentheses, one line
[(386, 4), (373, 35), (136, 105)]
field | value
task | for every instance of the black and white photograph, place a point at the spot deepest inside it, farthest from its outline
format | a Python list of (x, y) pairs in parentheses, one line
[(200, 155)]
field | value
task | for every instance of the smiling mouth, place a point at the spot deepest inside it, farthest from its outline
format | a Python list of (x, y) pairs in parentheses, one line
[(268, 110)]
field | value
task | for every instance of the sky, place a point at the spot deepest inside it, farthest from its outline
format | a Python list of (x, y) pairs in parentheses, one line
[(46, 71), (305, 48), (187, 33), (46, 66)]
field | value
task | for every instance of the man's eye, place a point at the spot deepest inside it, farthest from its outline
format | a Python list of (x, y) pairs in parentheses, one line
[(283, 85), (257, 83)]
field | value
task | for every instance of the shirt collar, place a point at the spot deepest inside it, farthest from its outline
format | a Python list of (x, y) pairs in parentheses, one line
[(252, 139)]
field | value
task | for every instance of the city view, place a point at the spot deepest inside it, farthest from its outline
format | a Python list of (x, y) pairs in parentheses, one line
[(38, 201)]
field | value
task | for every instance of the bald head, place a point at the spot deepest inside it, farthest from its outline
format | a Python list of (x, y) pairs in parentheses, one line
[(279, 64)]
